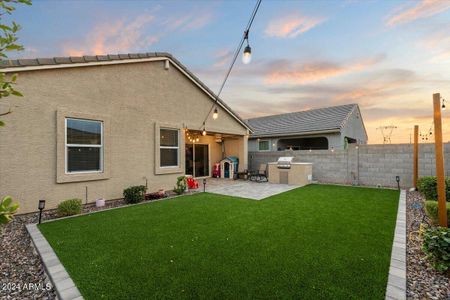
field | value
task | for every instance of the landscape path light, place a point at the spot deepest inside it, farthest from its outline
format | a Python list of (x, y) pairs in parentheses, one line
[(41, 207)]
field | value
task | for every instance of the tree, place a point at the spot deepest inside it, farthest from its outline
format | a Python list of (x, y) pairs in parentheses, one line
[(8, 42)]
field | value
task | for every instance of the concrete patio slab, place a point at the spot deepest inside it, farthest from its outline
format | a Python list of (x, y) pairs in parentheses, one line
[(245, 189)]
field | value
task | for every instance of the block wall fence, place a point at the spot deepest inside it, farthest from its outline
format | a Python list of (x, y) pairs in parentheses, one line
[(368, 165)]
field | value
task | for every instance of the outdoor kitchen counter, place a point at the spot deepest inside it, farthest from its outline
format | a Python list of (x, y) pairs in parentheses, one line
[(299, 173)]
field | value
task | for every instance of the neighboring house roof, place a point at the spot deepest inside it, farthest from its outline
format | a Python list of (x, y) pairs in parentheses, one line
[(321, 120), (17, 65)]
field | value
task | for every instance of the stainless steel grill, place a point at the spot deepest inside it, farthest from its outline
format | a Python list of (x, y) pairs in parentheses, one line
[(284, 162)]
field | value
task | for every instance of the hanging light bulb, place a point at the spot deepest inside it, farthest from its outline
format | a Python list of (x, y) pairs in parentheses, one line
[(197, 140), (215, 114), (443, 104), (204, 129), (247, 56)]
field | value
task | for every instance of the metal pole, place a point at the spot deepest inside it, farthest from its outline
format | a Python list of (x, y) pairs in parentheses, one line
[(40, 215)]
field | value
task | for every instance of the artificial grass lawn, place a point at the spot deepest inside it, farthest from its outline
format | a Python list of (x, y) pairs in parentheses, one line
[(315, 242)]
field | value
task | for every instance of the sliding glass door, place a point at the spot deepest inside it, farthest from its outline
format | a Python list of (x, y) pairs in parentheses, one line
[(197, 160)]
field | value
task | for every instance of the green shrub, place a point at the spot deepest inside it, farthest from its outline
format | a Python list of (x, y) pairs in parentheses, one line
[(436, 245), (7, 209), (181, 185), (427, 185), (134, 194), (431, 208), (69, 207)]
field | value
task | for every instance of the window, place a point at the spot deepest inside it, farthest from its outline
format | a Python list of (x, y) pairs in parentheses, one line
[(263, 145), (169, 147), (84, 145)]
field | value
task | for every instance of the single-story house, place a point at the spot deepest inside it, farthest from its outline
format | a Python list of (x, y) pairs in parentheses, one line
[(316, 129), (88, 127)]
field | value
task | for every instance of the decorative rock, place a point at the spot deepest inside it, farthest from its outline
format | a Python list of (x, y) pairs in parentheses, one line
[(423, 282)]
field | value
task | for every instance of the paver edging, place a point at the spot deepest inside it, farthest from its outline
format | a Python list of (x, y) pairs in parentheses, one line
[(396, 286), (64, 286)]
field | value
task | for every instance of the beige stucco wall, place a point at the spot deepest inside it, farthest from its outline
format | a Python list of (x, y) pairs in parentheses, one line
[(299, 173), (238, 147), (133, 97)]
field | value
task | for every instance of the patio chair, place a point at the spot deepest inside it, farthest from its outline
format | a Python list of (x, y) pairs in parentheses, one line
[(260, 175)]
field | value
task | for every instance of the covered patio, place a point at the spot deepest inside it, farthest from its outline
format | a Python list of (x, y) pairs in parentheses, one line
[(245, 189)]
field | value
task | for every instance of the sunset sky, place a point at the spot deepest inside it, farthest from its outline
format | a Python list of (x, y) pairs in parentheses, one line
[(387, 56)]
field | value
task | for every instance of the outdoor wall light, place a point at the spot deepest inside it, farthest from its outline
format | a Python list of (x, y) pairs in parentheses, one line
[(41, 207), (215, 114), (397, 178), (332, 149)]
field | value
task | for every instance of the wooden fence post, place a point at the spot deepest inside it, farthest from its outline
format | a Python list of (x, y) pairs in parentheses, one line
[(442, 210), (416, 156)]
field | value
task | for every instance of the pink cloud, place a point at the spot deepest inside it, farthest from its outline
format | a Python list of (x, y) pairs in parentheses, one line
[(222, 58), (313, 72), (422, 9), (189, 21), (291, 26), (115, 37)]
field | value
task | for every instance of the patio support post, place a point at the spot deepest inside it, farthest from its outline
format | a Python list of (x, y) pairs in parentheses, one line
[(416, 156), (442, 211)]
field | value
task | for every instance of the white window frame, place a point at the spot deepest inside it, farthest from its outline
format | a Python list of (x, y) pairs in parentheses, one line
[(170, 147), (268, 143), (66, 147)]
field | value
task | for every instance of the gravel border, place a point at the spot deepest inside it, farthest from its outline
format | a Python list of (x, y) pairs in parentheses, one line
[(423, 282)]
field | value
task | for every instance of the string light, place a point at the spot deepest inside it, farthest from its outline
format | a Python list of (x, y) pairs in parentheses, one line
[(247, 56), (246, 59), (443, 104), (204, 129)]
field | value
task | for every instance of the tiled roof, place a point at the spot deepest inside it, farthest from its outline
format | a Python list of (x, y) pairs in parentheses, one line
[(302, 122), (45, 62), (78, 59)]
